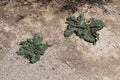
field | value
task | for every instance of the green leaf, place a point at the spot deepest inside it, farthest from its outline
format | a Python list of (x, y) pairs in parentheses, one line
[(96, 24), (79, 32), (89, 37), (68, 32), (71, 21), (81, 19)]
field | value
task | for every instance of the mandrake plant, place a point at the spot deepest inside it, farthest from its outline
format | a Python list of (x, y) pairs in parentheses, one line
[(33, 48), (86, 29)]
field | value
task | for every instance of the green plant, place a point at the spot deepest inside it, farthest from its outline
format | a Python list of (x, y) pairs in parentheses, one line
[(86, 29), (33, 48)]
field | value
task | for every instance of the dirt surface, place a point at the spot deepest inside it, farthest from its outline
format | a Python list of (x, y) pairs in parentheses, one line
[(69, 58)]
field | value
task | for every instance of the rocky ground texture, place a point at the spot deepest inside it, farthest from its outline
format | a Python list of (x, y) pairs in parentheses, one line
[(69, 58)]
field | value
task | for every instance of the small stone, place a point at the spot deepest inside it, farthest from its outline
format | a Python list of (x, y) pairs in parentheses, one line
[(53, 68), (19, 17)]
